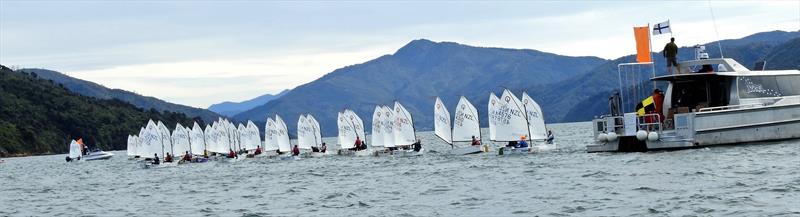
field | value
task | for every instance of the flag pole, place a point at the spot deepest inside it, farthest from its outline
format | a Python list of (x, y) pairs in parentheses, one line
[(653, 61)]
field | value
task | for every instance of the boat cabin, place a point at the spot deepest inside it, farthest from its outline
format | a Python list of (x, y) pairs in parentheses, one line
[(723, 84)]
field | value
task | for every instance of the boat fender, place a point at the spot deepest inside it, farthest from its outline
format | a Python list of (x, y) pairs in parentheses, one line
[(652, 136), (611, 137), (641, 135), (602, 137)]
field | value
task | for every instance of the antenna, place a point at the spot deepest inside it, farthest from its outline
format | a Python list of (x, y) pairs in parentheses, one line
[(714, 19)]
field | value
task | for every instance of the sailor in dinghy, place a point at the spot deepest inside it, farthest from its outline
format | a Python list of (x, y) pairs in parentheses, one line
[(465, 126), (507, 122), (404, 133)]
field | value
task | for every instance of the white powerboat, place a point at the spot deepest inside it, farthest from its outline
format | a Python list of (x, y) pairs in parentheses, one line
[(707, 102)]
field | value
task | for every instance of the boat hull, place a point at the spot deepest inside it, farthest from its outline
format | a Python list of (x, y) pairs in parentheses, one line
[(716, 128), (467, 150)]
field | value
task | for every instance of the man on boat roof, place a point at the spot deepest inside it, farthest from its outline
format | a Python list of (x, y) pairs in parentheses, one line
[(670, 53)]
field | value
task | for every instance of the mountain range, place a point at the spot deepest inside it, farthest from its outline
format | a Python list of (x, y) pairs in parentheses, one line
[(232, 108), (568, 88), (91, 89)]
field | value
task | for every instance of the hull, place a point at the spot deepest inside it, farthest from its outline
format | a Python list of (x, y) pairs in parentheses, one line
[(724, 127), (467, 150), (408, 153), (513, 151), (99, 155), (354, 153)]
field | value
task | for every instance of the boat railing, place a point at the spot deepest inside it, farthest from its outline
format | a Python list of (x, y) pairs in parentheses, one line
[(606, 124), (729, 107), (650, 122)]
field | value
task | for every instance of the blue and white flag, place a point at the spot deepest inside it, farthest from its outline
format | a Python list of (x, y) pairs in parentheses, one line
[(662, 28)]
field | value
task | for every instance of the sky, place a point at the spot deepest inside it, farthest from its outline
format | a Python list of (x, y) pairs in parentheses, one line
[(198, 53)]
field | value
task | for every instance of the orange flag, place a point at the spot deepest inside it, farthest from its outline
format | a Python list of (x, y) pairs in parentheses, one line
[(642, 35)]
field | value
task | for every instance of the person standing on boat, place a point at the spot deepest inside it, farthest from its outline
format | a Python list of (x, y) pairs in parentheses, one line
[(671, 52), (417, 145), (550, 136), (476, 141), (658, 100), (295, 151), (324, 148)]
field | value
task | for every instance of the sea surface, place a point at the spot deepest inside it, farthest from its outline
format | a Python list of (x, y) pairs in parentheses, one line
[(760, 179)]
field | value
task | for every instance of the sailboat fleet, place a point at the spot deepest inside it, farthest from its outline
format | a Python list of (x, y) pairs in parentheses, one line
[(392, 133)]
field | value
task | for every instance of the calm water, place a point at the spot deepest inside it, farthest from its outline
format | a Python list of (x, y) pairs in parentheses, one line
[(746, 180)]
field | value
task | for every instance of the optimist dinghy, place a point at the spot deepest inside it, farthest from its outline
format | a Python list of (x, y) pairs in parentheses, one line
[(465, 126), (507, 122)]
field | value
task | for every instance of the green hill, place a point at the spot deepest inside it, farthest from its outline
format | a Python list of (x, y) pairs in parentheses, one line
[(38, 116)]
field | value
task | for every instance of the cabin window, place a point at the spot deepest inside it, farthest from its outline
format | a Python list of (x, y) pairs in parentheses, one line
[(768, 86)]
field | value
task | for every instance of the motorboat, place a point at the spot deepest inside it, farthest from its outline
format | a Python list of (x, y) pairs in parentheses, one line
[(706, 102)]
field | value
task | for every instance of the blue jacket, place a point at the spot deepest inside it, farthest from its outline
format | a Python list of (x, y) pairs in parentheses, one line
[(522, 144)]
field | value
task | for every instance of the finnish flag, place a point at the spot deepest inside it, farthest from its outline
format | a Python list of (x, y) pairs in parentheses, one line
[(662, 28)]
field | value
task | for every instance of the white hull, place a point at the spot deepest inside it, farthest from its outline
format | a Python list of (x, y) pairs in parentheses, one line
[(361, 153), (466, 150), (513, 151), (97, 155), (408, 153)]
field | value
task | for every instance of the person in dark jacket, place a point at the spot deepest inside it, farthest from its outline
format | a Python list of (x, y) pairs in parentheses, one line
[(671, 52), (417, 145), (295, 151), (156, 161)]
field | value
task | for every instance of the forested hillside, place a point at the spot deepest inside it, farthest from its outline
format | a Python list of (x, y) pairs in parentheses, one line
[(38, 116)]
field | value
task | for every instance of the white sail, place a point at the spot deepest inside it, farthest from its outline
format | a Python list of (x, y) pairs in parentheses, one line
[(241, 137), (441, 122), (253, 137), (535, 117), (493, 107), (208, 136), (129, 148), (137, 141), (270, 136), (282, 135), (358, 124), (166, 139), (180, 140), (465, 123), (141, 151), (197, 140), (388, 127), (315, 130), (74, 149), (151, 141), (403, 126), (347, 134), (509, 116), (377, 127), (305, 139)]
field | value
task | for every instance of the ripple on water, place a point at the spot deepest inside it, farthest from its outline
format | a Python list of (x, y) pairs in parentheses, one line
[(564, 181)]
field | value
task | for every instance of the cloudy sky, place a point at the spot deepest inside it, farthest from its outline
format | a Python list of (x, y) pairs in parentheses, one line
[(203, 52)]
